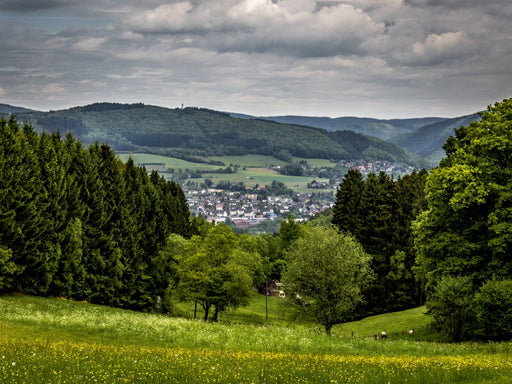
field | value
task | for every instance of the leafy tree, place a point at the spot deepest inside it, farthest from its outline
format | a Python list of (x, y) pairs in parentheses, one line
[(211, 270), (289, 231), (164, 271), (326, 274), (467, 230), (492, 306), (292, 170), (450, 306)]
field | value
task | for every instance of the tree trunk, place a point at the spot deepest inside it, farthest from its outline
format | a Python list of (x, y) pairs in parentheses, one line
[(227, 312), (206, 311)]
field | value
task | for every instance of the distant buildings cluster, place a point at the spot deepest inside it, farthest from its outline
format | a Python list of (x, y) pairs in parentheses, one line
[(244, 210), (377, 166)]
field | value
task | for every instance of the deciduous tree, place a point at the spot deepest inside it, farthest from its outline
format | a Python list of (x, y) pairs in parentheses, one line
[(326, 274)]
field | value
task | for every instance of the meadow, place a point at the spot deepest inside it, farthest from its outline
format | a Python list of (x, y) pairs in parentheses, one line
[(60, 341), (254, 169)]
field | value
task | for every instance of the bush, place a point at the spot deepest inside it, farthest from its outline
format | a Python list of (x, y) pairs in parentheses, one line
[(492, 306), (450, 306)]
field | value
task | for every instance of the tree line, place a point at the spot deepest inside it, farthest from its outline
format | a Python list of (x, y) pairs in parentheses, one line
[(77, 222)]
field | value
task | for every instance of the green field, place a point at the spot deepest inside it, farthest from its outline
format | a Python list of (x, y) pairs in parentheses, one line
[(254, 169), (59, 341)]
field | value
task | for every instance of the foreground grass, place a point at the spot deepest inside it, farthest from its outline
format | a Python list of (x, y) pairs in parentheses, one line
[(55, 341)]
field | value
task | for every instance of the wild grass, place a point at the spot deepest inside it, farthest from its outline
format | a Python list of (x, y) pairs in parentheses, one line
[(58, 341)]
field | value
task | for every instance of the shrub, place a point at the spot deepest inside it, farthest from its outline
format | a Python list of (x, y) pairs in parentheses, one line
[(492, 306), (450, 306)]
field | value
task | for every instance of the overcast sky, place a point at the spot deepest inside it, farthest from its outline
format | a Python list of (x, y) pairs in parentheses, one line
[(367, 58)]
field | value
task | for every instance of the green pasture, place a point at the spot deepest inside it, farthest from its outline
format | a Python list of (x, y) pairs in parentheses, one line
[(170, 162), (60, 341), (254, 169)]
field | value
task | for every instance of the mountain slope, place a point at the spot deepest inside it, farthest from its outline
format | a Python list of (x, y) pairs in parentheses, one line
[(6, 109), (194, 133), (383, 129), (429, 140)]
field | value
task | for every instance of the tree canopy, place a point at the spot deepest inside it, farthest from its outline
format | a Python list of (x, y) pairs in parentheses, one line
[(466, 233), (378, 212), (325, 275)]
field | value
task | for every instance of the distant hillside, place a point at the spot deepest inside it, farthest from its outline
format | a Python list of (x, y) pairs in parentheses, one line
[(6, 109), (383, 129), (429, 140), (194, 133)]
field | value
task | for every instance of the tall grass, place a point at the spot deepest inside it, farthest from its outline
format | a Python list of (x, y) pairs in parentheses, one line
[(57, 341)]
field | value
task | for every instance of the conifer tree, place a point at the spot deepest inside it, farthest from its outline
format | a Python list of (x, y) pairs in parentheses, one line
[(21, 230), (347, 209)]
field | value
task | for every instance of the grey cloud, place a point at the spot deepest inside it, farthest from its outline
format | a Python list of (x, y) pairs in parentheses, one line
[(454, 4), (436, 49), (498, 8), (379, 58), (291, 27), (31, 5)]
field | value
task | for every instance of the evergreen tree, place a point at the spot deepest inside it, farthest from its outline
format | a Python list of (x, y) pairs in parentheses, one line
[(21, 229), (347, 208), (135, 280)]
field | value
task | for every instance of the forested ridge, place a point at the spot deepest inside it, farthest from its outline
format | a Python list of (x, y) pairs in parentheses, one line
[(77, 222), (193, 133)]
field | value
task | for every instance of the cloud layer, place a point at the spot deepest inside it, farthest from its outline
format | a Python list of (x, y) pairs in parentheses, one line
[(378, 58)]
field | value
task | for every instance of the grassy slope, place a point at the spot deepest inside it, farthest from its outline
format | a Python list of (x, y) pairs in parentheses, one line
[(55, 319), (51, 340)]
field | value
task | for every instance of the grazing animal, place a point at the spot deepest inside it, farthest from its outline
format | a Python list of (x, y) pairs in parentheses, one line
[(411, 331), (383, 335)]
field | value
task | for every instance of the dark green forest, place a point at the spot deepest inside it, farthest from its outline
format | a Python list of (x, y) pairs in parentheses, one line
[(76, 222), (378, 211)]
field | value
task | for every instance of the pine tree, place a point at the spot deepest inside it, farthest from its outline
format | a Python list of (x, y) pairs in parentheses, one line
[(347, 208), (22, 200)]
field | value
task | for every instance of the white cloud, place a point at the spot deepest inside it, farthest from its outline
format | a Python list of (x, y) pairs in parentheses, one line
[(436, 49), (88, 44)]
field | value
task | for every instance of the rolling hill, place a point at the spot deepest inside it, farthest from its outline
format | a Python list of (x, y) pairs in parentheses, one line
[(6, 109), (383, 129), (429, 140), (422, 136), (196, 133)]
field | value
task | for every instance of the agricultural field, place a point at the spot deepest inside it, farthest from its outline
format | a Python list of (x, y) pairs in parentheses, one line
[(60, 341), (254, 169)]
